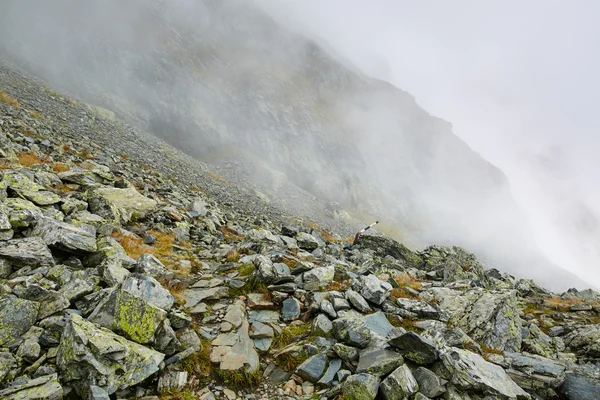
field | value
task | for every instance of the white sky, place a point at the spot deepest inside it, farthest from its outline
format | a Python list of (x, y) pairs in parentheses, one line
[(519, 80)]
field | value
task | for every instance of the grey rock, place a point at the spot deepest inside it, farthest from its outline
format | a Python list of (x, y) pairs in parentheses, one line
[(340, 304), (195, 296), (42, 388), (322, 326), (416, 348), (469, 371), (318, 278), (429, 383), (64, 236), (328, 309), (585, 340), (29, 350), (399, 385), (378, 323), (332, 369), (172, 380), (533, 372), (347, 353), (378, 361), (580, 387), (420, 309), (16, 317), (352, 331), (375, 290), (289, 287), (313, 368), (358, 301), (149, 290), (265, 316), (89, 354), (361, 387), (258, 330), (180, 319), (7, 363), (26, 252), (149, 265), (306, 241), (97, 393), (342, 375), (385, 246), (290, 310)]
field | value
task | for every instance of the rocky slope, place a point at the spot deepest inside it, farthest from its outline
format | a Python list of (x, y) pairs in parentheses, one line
[(121, 281), (222, 81)]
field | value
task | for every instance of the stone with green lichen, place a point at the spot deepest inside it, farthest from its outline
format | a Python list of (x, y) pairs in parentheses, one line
[(16, 317), (20, 182), (378, 361), (91, 355), (7, 363), (43, 388), (108, 249), (21, 213), (128, 315), (41, 197), (79, 218), (80, 176), (361, 387), (65, 236), (70, 205), (128, 199), (26, 252)]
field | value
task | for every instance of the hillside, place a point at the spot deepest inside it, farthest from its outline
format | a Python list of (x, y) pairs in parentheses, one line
[(130, 270), (277, 114)]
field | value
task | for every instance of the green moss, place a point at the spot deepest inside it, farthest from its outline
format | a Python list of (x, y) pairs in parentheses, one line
[(239, 379), (245, 269), (253, 285)]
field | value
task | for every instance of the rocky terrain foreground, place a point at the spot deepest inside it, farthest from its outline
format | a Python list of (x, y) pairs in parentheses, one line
[(119, 281)]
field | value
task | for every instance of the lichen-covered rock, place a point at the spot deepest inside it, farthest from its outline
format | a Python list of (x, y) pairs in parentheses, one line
[(43, 388), (92, 355), (131, 316), (313, 368), (352, 331), (149, 265), (399, 385), (318, 278), (429, 383), (585, 340), (580, 387), (306, 241), (383, 246), (19, 182), (21, 213), (470, 371), (16, 317), (42, 197), (489, 317), (378, 361), (374, 290), (453, 263), (64, 236), (128, 200), (533, 372), (149, 290), (416, 348), (361, 387), (26, 252)]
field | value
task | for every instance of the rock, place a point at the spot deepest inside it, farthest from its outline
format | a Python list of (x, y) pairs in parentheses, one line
[(265, 270), (135, 205), (579, 387), (361, 387), (352, 331), (258, 330), (318, 278), (453, 264), (235, 350), (585, 340), (26, 252), (16, 317), (313, 368), (195, 296), (340, 304), (347, 353), (470, 371), (429, 383), (21, 213), (399, 385), (29, 350), (147, 264), (378, 361), (322, 326), (42, 197), (89, 354), (7, 363), (263, 236), (332, 370), (375, 290), (418, 308), (42, 388), (491, 318), (416, 348), (149, 290), (378, 323), (328, 309), (131, 316), (172, 380), (97, 393), (290, 310), (384, 246), (580, 307), (306, 241), (358, 301), (537, 342), (533, 372)]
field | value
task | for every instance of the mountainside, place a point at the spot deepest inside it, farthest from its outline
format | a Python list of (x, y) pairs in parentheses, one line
[(223, 82), (130, 270)]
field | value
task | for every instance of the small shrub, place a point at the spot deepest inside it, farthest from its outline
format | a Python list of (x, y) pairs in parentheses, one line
[(86, 154), (339, 286), (60, 167), (5, 165), (290, 334), (253, 285), (11, 101)]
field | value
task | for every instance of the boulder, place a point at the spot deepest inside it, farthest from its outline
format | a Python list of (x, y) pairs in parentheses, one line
[(585, 340), (416, 348), (580, 387), (26, 252), (471, 372), (534, 372), (64, 236), (453, 264), (149, 290), (358, 301), (429, 383), (383, 246), (313, 368), (318, 278), (352, 331), (306, 241), (43, 388), (129, 202), (360, 387), (16, 317), (290, 310), (91, 355), (374, 290), (378, 361), (399, 385)]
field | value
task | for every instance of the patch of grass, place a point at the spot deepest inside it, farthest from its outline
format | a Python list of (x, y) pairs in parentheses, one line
[(177, 395), (5, 165), (217, 177), (198, 364), (161, 249), (409, 325), (66, 147), (253, 285), (230, 235), (232, 255), (28, 159), (11, 101), (35, 114), (289, 361), (86, 154), (239, 379), (289, 335), (174, 286), (124, 156), (489, 350), (245, 269), (60, 167), (339, 286), (405, 281), (64, 188)]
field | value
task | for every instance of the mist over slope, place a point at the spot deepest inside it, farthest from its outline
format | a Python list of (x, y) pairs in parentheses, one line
[(220, 78)]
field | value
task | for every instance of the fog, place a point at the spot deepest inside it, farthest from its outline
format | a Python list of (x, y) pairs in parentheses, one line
[(518, 80), (216, 78)]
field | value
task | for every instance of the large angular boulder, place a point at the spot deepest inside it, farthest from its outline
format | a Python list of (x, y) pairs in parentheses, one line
[(44, 387), (470, 372), (361, 387), (313, 368), (26, 252), (585, 340), (352, 331), (16, 317), (306, 241), (489, 317), (416, 348), (65, 236), (533, 372), (91, 355), (383, 246), (453, 264), (21, 213), (399, 385), (378, 361), (374, 290), (130, 203), (129, 315), (580, 387), (149, 290)]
